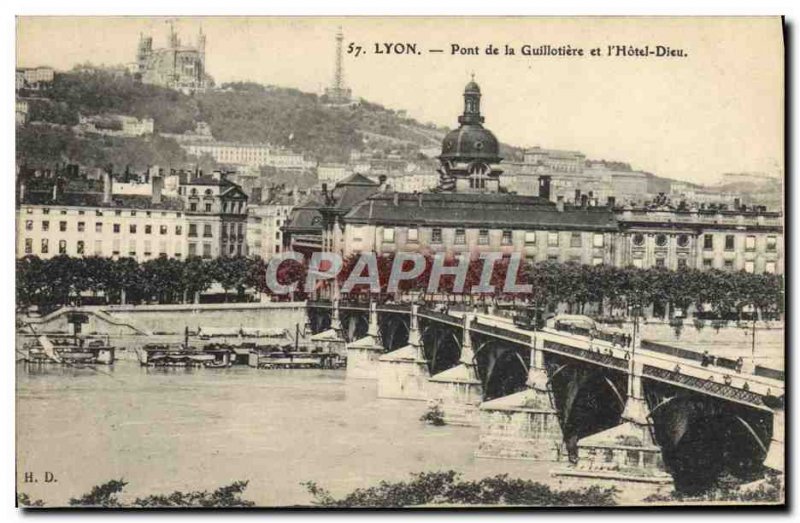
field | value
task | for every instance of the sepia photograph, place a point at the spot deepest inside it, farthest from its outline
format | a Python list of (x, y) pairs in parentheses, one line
[(393, 262)]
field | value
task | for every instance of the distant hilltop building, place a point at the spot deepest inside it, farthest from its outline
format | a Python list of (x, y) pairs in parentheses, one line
[(176, 66), (337, 93), (34, 78)]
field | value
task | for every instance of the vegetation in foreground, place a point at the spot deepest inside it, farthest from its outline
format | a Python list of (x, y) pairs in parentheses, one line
[(106, 496), (727, 490), (447, 488)]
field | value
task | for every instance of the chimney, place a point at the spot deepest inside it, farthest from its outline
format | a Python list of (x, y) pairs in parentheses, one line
[(612, 201), (108, 184), (158, 186), (255, 195), (544, 186), (22, 192), (396, 199), (382, 183), (419, 199), (577, 196), (55, 190), (737, 204), (560, 203), (584, 201), (296, 195)]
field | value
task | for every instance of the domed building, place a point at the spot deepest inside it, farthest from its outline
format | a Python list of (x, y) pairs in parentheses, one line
[(471, 153)]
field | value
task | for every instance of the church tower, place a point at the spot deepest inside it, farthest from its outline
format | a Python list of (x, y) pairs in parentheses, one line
[(471, 153)]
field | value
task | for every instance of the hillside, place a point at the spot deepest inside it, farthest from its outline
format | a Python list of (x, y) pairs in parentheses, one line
[(245, 112)]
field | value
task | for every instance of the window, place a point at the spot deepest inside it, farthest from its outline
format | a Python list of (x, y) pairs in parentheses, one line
[(115, 248), (133, 213), (530, 237), (461, 237), (436, 235), (162, 229), (682, 263), (750, 266), (28, 245), (708, 242), (206, 250), (116, 227), (552, 257), (132, 248), (98, 212), (98, 226), (575, 239), (597, 260), (638, 239), (45, 225), (769, 268), (192, 230), (117, 213), (178, 230), (483, 237), (772, 243), (413, 234), (45, 211), (147, 248), (277, 235), (193, 206), (132, 228), (729, 242), (506, 240), (62, 247), (661, 240), (552, 239), (29, 225), (708, 263), (80, 247), (192, 249), (661, 262), (750, 243), (45, 246), (98, 247), (597, 240), (148, 229), (728, 265), (81, 226), (207, 231), (208, 207), (683, 240)]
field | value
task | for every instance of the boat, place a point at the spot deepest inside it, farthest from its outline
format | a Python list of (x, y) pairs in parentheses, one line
[(287, 359), (166, 355), (68, 350)]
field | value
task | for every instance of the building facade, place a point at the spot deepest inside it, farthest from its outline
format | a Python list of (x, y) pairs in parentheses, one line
[(141, 226), (255, 155)]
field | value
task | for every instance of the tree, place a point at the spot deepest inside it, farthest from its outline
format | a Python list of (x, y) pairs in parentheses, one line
[(196, 277)]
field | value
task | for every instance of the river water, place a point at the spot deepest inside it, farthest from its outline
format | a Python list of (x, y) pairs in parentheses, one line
[(186, 429)]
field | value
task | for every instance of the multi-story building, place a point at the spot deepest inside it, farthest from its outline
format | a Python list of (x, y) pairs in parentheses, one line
[(331, 173), (142, 226), (749, 239), (22, 109), (233, 153), (216, 216), (34, 78), (265, 221), (176, 66), (116, 125)]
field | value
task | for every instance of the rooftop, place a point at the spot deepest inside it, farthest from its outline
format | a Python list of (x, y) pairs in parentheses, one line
[(95, 199)]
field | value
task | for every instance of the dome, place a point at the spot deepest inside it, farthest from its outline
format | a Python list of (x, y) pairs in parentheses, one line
[(472, 87), (470, 142)]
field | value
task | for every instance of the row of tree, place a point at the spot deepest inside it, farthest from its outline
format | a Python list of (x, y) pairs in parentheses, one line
[(603, 289)]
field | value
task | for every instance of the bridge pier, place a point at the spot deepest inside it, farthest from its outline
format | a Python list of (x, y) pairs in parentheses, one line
[(775, 454), (523, 425), (403, 373), (458, 391), (363, 353), (331, 340), (627, 452)]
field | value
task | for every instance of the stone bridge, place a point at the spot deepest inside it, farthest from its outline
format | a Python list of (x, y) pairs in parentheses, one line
[(638, 411)]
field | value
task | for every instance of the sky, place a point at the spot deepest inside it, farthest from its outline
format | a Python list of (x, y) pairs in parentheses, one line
[(718, 109)]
